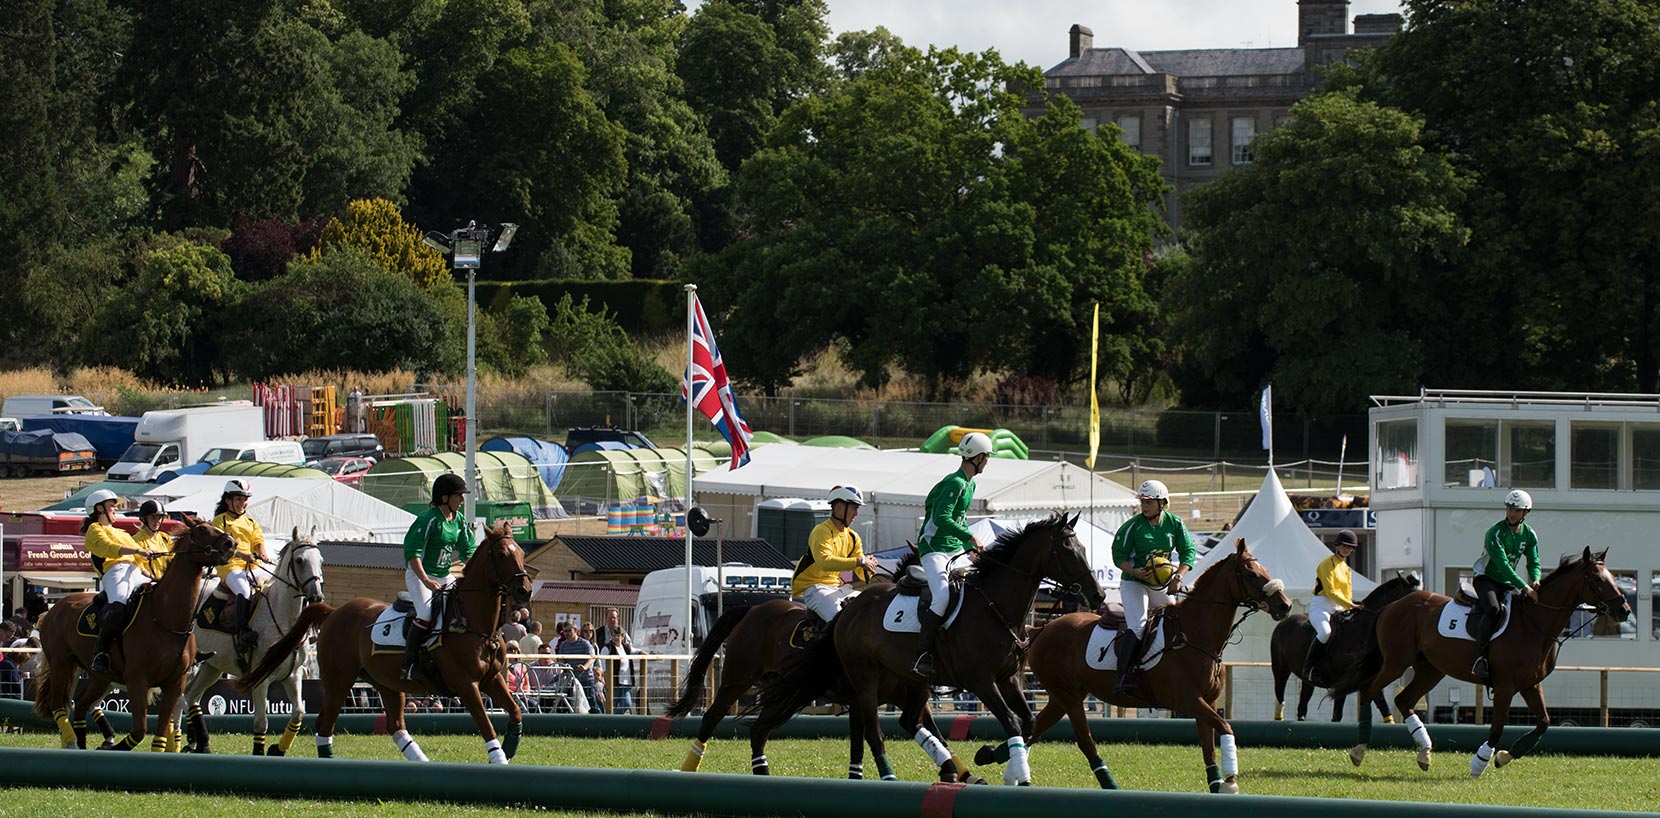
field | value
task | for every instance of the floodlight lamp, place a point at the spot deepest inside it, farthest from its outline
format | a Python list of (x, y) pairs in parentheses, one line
[(437, 241), (467, 252), (505, 238)]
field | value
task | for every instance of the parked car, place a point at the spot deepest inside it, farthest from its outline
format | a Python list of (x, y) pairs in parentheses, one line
[(264, 451), (583, 435), (18, 406), (343, 445), (348, 470)]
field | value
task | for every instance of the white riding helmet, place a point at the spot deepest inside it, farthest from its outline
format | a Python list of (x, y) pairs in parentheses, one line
[(100, 496), (973, 444), (847, 494), (1519, 499), (1153, 490), (237, 485)]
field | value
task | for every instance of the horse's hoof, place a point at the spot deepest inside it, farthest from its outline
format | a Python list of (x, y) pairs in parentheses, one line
[(1229, 788), (1357, 754), (1024, 784), (275, 751), (1502, 758), (1423, 759), (986, 755), (971, 779), (1388, 719)]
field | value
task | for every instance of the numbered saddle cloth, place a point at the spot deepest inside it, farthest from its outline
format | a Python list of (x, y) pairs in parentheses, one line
[(1100, 654), (1455, 620), (390, 632), (901, 616)]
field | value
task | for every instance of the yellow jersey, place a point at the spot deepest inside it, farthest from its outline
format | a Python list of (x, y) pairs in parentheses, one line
[(105, 542), (834, 549), (1336, 583), (250, 541), (155, 542)]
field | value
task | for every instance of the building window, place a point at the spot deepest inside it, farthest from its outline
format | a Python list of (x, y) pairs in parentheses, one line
[(1472, 453), (1594, 456), (1244, 130), (1645, 456), (1131, 126), (1529, 459), (1089, 123), (1395, 462), (1198, 142)]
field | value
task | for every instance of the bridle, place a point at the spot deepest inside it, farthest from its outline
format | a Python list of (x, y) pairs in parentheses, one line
[(506, 582), (300, 587), (1061, 535)]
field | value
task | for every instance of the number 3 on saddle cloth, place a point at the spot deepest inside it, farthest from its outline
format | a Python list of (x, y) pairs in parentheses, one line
[(93, 617), (901, 616), (390, 633)]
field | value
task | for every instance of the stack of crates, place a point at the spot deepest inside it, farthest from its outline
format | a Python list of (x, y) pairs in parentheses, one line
[(294, 411), (411, 426)]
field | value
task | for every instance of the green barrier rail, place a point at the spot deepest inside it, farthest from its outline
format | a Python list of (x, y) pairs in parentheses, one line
[(575, 788), (1640, 742)]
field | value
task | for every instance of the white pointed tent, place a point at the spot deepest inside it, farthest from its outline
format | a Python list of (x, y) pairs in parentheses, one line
[(1276, 535)]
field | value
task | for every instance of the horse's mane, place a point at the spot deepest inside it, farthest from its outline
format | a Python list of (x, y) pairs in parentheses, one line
[(1387, 588), (1001, 552), (1567, 563)]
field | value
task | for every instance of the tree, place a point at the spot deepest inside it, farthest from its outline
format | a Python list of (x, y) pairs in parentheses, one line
[(511, 337), (375, 227), (167, 325), (592, 346), (1311, 263)]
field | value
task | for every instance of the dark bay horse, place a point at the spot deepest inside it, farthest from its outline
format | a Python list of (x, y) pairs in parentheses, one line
[(470, 663), (1520, 658), (156, 651), (979, 653), (758, 638), (1188, 678), (1354, 637)]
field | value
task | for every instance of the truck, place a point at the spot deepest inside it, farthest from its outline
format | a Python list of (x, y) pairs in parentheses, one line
[(110, 435), (660, 614), (25, 453), (168, 438)]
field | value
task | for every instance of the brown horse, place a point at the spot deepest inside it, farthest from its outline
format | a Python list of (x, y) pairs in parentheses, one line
[(758, 639), (1520, 658), (1354, 637), (469, 662), (979, 652), (1187, 679), (156, 651)]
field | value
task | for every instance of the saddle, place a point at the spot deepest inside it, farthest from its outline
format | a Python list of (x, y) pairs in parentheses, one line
[(93, 617), (211, 616), (1466, 596), (390, 633)]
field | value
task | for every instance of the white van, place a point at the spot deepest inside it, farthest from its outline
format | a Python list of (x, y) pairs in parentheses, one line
[(22, 406), (264, 451), (660, 612)]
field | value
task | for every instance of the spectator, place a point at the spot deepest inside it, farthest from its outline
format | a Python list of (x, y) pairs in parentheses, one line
[(513, 630), (622, 672), (571, 644), (11, 681), (587, 632), (602, 636), (532, 642), (35, 603)]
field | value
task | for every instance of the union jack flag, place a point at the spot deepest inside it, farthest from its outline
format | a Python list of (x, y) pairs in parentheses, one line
[(710, 391)]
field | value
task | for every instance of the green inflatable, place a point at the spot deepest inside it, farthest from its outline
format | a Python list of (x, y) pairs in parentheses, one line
[(1004, 443)]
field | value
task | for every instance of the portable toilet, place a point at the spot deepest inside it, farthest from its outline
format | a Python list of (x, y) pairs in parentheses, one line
[(786, 522)]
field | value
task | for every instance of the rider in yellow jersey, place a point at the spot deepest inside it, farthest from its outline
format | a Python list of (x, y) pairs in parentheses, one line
[(1336, 594), (119, 559), (833, 548), (246, 568)]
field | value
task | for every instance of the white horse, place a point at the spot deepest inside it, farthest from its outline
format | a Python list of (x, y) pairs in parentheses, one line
[(296, 581)]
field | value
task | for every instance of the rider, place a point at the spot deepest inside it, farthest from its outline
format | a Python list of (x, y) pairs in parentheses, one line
[(439, 536), (245, 569), (1495, 578), (119, 564), (1154, 534), (150, 537), (834, 548), (945, 539), (1336, 593)]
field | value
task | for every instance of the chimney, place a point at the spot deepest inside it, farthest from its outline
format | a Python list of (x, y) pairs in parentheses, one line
[(1081, 39), (1317, 17)]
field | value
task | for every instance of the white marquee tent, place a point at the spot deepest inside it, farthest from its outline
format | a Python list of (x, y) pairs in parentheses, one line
[(1276, 535), (334, 510), (896, 484)]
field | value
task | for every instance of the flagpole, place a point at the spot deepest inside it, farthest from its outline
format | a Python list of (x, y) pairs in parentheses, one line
[(691, 603)]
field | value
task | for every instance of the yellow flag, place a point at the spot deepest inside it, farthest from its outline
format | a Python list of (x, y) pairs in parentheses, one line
[(1094, 404)]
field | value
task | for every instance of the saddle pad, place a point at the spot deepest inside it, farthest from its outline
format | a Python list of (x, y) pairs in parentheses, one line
[(901, 614), (804, 632), (387, 634), (1099, 655), (211, 616), (92, 618), (1455, 620)]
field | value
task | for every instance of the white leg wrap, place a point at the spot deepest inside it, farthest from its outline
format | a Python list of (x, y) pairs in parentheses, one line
[(758, 762), (1420, 733), (492, 749), (698, 747), (932, 746), (855, 771), (325, 741), (1230, 755), (1017, 771), (406, 744), (1479, 761)]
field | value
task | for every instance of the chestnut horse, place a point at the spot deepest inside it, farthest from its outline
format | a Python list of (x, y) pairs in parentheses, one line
[(758, 638), (978, 653), (1353, 638), (1187, 679), (1520, 658), (156, 651), (469, 662)]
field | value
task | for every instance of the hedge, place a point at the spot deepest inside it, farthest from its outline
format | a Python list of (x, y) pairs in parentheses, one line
[(640, 305)]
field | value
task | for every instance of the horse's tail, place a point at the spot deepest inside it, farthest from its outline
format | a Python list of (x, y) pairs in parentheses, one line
[(692, 691), (804, 676), (47, 696), (278, 653)]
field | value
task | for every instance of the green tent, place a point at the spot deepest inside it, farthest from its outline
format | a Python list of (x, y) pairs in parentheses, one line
[(621, 474), (254, 468), (503, 475), (837, 442), (760, 438), (77, 500)]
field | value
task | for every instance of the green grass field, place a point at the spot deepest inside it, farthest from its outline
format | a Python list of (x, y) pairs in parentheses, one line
[(1541, 781)]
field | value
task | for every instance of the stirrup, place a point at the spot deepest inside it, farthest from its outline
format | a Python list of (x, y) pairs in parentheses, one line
[(100, 662), (1479, 668), (924, 665)]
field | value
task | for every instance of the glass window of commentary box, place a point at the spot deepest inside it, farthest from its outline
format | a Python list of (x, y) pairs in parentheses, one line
[(1395, 461), (1198, 142), (1594, 456), (1529, 456), (1654, 604), (1584, 623), (1645, 456), (1471, 454)]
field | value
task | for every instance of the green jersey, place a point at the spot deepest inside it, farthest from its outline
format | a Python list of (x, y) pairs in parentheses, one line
[(1501, 548), (945, 516), (438, 542), (1139, 541)]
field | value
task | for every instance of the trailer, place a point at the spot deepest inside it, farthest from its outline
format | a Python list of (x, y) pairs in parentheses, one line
[(26, 453)]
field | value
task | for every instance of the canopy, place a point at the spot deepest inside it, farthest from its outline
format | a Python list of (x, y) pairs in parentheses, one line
[(503, 475), (333, 510), (255, 468), (1277, 537), (623, 474), (548, 457)]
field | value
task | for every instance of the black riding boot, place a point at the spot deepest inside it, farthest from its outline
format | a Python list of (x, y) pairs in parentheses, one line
[(412, 649), (1479, 667), (930, 624), (1311, 665), (1126, 664), (115, 616), (243, 614)]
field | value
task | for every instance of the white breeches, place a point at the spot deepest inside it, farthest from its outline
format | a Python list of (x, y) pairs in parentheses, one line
[(121, 580), (1138, 601), (241, 581), (939, 566), (1319, 615), (827, 600), (421, 594)]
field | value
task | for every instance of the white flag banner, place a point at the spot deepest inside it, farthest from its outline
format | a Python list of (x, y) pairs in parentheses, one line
[(1268, 421)]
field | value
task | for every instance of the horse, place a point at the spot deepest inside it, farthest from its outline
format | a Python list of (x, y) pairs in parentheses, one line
[(297, 581), (979, 652), (1187, 678), (1354, 636), (1520, 657), (758, 638), (469, 662), (156, 651)]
